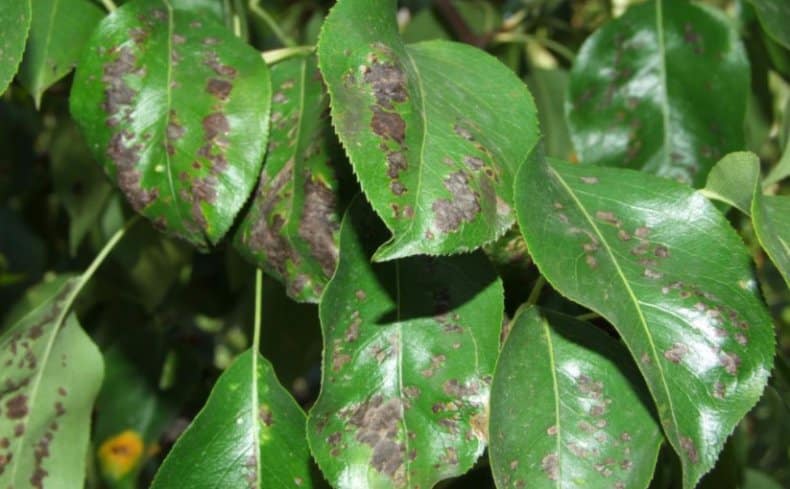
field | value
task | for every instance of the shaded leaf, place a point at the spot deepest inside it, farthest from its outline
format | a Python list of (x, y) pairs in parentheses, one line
[(409, 350), (58, 32), (15, 18), (177, 109), (771, 220), (78, 182), (429, 129), (664, 267), (291, 227), (774, 16), (249, 434), (637, 99), (568, 409), (51, 372), (549, 88)]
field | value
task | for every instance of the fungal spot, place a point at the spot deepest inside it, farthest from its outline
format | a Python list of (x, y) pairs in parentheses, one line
[(211, 41), (396, 163), (642, 232), (661, 251), (552, 430), (456, 389), (279, 98), (397, 188), (215, 124), (360, 295), (652, 274), (388, 82), (589, 180), (265, 415), (591, 261), (608, 217), (352, 334), (623, 235), (730, 362), (687, 445), (120, 454), (16, 407), (450, 456), (212, 61), (464, 207), (676, 353), (719, 390), (377, 423), (340, 360), (473, 162), (319, 225), (388, 125), (219, 88), (550, 465), (179, 39), (741, 339)]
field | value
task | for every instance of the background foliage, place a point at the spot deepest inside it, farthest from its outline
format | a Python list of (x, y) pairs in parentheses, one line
[(643, 318)]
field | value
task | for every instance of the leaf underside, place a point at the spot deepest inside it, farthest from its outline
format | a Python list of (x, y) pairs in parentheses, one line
[(177, 110), (406, 368), (637, 99), (664, 267), (435, 131)]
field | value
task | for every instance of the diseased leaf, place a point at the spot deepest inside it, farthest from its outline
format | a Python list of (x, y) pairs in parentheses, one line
[(736, 180), (774, 16), (409, 350), (568, 409), (637, 98), (177, 109), (51, 372), (434, 130), (15, 18), (249, 434), (58, 32), (291, 227), (664, 267), (733, 180)]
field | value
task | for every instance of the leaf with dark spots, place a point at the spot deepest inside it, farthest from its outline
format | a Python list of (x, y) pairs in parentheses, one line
[(250, 433), (403, 114), (45, 404), (677, 128), (568, 408), (179, 124), (58, 33), (409, 351), (291, 227), (15, 18), (680, 291)]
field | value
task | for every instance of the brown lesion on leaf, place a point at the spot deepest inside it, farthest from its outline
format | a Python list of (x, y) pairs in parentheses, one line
[(211, 59), (265, 415), (377, 423), (464, 207), (550, 464), (692, 38), (687, 445), (319, 225), (676, 353), (219, 88)]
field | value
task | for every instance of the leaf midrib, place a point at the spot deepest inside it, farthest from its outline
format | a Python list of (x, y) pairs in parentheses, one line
[(555, 387), (664, 88), (631, 295)]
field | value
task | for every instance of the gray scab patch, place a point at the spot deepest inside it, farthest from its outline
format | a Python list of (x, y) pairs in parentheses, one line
[(551, 466), (464, 207), (215, 125), (377, 424), (687, 445), (219, 88), (211, 60), (676, 353), (128, 177), (388, 125), (319, 225), (589, 180), (388, 82)]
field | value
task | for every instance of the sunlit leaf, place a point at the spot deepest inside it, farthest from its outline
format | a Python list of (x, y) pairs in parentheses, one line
[(291, 227), (663, 266), (434, 130), (58, 33), (249, 434), (733, 180), (176, 107), (51, 372), (409, 350), (15, 18), (648, 91), (568, 409)]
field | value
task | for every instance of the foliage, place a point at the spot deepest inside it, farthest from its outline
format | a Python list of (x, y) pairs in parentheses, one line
[(506, 243)]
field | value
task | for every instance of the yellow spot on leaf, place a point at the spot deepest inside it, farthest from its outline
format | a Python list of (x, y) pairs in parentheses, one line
[(120, 454)]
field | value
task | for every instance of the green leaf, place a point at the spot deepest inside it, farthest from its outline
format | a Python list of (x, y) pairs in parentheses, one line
[(51, 372), (771, 220), (409, 350), (774, 16), (734, 180), (435, 131), (663, 89), (549, 88), (15, 18), (79, 183), (665, 268), (249, 434), (291, 228), (177, 109), (568, 409), (58, 32)]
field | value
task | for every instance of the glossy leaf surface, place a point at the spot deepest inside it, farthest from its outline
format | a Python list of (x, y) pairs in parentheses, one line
[(774, 16), (734, 180), (250, 434), (568, 409), (15, 18), (51, 372), (637, 98), (435, 131), (291, 227), (177, 109), (664, 267), (409, 350), (58, 32)]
